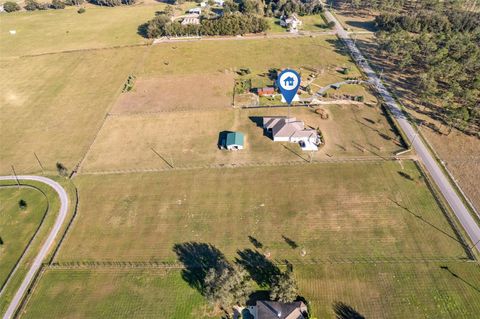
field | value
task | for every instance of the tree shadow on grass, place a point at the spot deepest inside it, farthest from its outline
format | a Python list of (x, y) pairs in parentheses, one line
[(262, 270), (460, 278), (255, 242), (293, 244), (142, 30), (344, 311), (198, 258)]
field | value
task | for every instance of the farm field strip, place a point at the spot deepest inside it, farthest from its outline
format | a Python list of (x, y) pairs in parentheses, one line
[(146, 142), (352, 218), (449, 290)]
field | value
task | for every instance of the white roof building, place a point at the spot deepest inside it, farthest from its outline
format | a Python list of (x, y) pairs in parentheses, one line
[(191, 19), (292, 22), (291, 130), (195, 11)]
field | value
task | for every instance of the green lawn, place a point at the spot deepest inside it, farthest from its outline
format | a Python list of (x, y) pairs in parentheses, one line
[(60, 30), (395, 290), (313, 23), (37, 199), (115, 294), (351, 210), (17, 226)]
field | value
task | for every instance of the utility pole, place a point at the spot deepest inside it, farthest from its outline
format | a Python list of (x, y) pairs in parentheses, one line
[(417, 133), (39, 163)]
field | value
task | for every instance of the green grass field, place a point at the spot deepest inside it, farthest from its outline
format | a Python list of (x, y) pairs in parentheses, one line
[(39, 199), (17, 226), (418, 290), (351, 210), (115, 294)]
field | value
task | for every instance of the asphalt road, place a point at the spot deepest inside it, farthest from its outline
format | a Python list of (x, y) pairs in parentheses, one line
[(34, 268), (433, 168)]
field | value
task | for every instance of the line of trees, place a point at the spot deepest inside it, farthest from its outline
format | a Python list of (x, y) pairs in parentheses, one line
[(273, 8), (32, 5), (439, 42), (229, 24)]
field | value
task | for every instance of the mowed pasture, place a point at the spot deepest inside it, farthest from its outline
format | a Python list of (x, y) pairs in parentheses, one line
[(17, 225), (53, 105), (187, 93), (421, 290), (206, 57), (49, 31), (16, 235), (350, 210), (115, 294), (190, 139)]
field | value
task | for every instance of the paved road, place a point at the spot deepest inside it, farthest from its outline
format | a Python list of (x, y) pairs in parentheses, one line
[(443, 183), (62, 214)]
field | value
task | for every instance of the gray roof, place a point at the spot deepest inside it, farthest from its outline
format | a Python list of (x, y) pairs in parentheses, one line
[(280, 310)]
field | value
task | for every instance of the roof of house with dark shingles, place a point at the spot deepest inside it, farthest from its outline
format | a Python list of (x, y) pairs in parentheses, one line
[(280, 310)]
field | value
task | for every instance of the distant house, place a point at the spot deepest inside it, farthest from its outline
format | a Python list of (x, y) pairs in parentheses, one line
[(232, 141), (195, 11), (279, 310), (219, 2), (283, 129), (191, 19), (292, 22), (266, 91), (203, 4)]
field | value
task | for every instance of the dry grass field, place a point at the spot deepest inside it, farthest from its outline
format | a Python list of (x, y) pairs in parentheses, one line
[(48, 31), (421, 290), (175, 93), (207, 57), (354, 19), (54, 104), (350, 210), (186, 139)]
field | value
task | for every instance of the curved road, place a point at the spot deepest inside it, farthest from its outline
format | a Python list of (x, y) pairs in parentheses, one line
[(433, 168), (47, 245)]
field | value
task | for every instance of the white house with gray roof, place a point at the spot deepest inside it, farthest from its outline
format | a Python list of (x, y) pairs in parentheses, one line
[(289, 129)]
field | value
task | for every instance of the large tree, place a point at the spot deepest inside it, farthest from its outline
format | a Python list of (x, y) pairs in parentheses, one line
[(284, 287), (227, 285)]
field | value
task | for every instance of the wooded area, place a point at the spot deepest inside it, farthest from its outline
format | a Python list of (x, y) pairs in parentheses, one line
[(439, 41)]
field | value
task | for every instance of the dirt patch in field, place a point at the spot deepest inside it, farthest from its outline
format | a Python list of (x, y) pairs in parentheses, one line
[(178, 92)]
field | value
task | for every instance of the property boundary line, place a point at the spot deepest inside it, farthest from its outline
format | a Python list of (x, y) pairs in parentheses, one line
[(366, 159), (446, 212), (74, 265), (28, 295), (67, 229)]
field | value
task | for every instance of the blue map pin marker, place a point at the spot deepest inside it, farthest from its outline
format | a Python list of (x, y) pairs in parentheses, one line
[(288, 81)]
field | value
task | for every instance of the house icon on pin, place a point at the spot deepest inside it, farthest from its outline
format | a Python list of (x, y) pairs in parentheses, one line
[(288, 81)]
